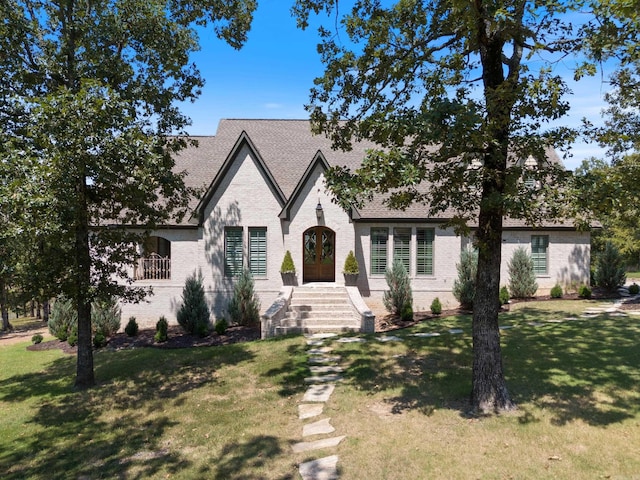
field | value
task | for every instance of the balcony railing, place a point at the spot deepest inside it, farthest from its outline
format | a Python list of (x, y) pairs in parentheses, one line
[(153, 267)]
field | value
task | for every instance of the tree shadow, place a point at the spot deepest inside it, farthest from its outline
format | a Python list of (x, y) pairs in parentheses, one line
[(293, 371)]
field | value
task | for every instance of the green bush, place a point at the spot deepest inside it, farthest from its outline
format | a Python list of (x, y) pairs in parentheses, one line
[(504, 295), (161, 330), (106, 316), (287, 264), (464, 287), (193, 315), (610, 272), (436, 306), (72, 339), (584, 292), (221, 326), (99, 340), (62, 319), (399, 296), (407, 313), (634, 289), (351, 264), (132, 327), (37, 338), (556, 291), (244, 307), (522, 277)]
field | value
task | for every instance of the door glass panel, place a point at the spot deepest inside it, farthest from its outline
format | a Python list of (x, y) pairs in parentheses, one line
[(327, 247), (310, 247)]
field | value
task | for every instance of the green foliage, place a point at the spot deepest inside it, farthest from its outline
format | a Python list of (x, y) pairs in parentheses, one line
[(221, 326), (193, 315), (504, 295), (106, 316), (287, 264), (556, 291), (634, 289), (399, 298), (522, 278), (132, 327), (37, 338), (407, 313), (584, 291), (72, 339), (464, 287), (436, 306), (99, 340), (351, 264), (162, 327), (610, 272), (63, 318), (244, 307)]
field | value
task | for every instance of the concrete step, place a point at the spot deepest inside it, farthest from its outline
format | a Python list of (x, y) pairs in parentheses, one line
[(312, 322), (320, 314), (298, 330)]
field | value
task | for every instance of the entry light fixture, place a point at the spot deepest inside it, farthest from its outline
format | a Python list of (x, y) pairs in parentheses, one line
[(319, 210)]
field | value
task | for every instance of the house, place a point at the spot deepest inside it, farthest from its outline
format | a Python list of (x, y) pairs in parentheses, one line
[(264, 194)]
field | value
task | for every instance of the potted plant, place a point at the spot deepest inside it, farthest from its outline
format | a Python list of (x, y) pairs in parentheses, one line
[(288, 270), (351, 269)]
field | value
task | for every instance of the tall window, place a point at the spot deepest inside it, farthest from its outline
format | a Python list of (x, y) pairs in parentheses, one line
[(258, 251), (402, 247), (379, 239), (424, 251), (539, 247), (232, 251)]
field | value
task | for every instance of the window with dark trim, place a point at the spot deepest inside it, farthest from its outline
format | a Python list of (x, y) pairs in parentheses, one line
[(232, 251), (539, 247), (402, 247), (424, 251), (379, 240), (258, 251)]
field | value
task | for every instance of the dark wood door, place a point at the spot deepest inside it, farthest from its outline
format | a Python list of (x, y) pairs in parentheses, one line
[(319, 255)]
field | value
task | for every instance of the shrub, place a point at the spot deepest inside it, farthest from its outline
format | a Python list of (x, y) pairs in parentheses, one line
[(610, 272), (634, 289), (105, 316), (193, 315), (99, 340), (504, 295), (72, 339), (161, 330), (287, 264), (62, 319), (37, 338), (221, 326), (407, 313), (351, 264), (464, 287), (556, 291), (399, 295), (244, 307), (522, 277), (584, 291), (436, 306), (132, 327)]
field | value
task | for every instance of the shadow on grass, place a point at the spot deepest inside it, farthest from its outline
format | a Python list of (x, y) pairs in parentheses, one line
[(575, 370), (290, 375), (116, 429)]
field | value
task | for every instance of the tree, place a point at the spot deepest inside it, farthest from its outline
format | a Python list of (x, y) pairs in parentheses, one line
[(464, 287), (88, 101), (447, 91), (522, 277), (610, 272), (193, 314), (399, 298), (244, 306)]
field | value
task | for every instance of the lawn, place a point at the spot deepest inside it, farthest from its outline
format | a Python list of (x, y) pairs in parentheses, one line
[(231, 412)]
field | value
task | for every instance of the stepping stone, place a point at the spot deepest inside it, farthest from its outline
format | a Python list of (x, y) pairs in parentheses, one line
[(505, 327), (455, 331), (318, 428), (332, 377), (319, 351), (595, 311), (322, 469), (318, 393), (315, 343), (535, 324), (326, 369), (570, 319), (426, 335), (324, 359), (318, 336), (318, 444), (351, 340), (617, 314), (309, 410), (555, 320), (389, 338), (588, 315)]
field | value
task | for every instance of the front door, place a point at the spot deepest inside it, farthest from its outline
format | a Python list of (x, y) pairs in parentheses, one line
[(319, 255)]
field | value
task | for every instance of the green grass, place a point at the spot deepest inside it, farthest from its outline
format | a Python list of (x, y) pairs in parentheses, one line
[(231, 412), (633, 275)]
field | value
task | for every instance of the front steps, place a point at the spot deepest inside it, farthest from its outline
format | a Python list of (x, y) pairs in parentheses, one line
[(318, 309)]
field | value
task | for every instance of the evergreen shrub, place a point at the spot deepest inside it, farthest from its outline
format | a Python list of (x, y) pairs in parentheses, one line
[(634, 289), (351, 264), (62, 319), (522, 277), (584, 291), (132, 327), (287, 264), (436, 306), (106, 316), (610, 272), (162, 328), (399, 296), (221, 326), (504, 295), (556, 291), (37, 338), (193, 315), (464, 287), (99, 340), (244, 307)]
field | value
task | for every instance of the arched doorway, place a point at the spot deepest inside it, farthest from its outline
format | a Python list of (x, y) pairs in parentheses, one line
[(318, 246)]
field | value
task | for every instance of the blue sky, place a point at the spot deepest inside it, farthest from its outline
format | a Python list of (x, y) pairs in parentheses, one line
[(270, 77)]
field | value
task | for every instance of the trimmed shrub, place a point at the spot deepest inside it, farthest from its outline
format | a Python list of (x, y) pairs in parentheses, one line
[(399, 296), (634, 289), (161, 330), (62, 319), (584, 292), (132, 327), (504, 295), (407, 313), (287, 264), (221, 326), (244, 307), (106, 316), (464, 287), (610, 272), (351, 264), (99, 340), (193, 315), (436, 306), (556, 291), (522, 277), (37, 338), (72, 339)]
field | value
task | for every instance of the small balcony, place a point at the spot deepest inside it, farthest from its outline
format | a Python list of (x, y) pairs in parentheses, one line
[(153, 267)]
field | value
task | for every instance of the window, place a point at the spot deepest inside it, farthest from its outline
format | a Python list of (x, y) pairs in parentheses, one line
[(258, 251), (155, 263), (232, 251), (539, 246), (379, 238), (424, 251), (402, 247)]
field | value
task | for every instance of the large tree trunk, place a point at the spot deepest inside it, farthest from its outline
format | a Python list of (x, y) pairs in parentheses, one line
[(4, 307)]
